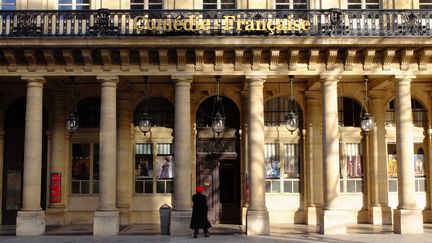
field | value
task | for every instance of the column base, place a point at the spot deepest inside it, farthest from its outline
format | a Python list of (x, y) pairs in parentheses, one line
[(30, 223), (56, 215), (180, 222), (408, 221), (380, 215), (257, 222), (333, 222), (106, 223), (312, 215)]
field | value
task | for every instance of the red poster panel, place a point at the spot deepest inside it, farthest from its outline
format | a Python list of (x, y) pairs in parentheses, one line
[(55, 188)]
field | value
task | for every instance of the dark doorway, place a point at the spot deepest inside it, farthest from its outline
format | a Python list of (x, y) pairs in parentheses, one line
[(218, 163), (14, 161), (229, 191)]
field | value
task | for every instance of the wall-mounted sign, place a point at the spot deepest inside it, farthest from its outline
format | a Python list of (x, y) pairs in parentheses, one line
[(196, 23), (55, 188)]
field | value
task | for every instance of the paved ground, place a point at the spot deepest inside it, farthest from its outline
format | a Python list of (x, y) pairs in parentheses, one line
[(219, 233)]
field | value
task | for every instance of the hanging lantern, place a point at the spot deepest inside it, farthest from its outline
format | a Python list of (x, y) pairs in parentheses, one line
[(366, 120), (72, 119), (72, 123), (218, 113), (292, 118), (144, 123)]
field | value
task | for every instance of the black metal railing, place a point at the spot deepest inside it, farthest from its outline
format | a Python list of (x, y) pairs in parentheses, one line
[(104, 22)]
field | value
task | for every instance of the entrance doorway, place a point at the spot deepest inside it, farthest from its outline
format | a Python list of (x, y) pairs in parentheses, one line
[(218, 167), (220, 176), (14, 161)]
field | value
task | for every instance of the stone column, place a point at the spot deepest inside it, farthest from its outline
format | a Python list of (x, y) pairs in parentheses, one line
[(332, 219), (125, 168), (1, 160), (313, 160), (56, 211), (106, 218), (244, 154), (379, 211), (407, 218), (31, 218), (257, 216), (181, 200), (427, 212)]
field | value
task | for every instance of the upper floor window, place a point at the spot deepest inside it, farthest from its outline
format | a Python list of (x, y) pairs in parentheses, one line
[(291, 4), (89, 112), (276, 109), (425, 4), (8, 4), (363, 4), (349, 112), (419, 114), (146, 4), (219, 4), (73, 4)]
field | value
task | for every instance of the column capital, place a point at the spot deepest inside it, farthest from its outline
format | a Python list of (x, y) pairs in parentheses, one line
[(33, 78), (182, 78), (403, 77), (256, 77), (108, 78), (330, 77)]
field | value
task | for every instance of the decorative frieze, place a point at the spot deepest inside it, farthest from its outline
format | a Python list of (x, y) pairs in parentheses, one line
[(388, 59), (350, 55), (50, 60), (218, 66), (274, 59), (163, 59), (69, 60), (293, 59), (144, 59), (125, 59), (406, 57), (199, 59), (88, 59), (313, 59), (11, 60), (368, 57), (424, 56)]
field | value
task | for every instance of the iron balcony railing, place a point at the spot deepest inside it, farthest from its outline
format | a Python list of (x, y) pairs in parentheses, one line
[(104, 22)]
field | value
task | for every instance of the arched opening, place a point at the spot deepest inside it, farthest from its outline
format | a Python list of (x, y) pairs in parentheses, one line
[(14, 160), (218, 162), (154, 158)]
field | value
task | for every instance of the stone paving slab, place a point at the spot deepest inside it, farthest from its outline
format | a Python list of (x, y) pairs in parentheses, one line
[(363, 233)]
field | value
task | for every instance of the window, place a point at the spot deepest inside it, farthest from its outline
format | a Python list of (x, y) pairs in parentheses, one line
[(85, 168), (291, 4), (349, 112), (363, 4), (419, 114), (425, 4), (419, 168), (275, 111), (73, 4), (291, 165), (8, 4), (160, 109), (146, 4), (351, 168), (89, 113), (148, 179), (219, 4)]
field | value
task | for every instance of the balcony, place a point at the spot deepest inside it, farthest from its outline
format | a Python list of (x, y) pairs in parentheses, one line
[(142, 23)]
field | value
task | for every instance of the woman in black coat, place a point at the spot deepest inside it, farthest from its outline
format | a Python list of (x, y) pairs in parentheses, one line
[(199, 213)]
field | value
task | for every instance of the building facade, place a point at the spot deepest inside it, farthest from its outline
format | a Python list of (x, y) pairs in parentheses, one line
[(182, 62)]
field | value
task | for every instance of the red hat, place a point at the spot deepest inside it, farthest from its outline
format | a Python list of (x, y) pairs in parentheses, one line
[(200, 189)]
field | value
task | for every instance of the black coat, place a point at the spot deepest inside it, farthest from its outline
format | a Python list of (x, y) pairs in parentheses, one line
[(199, 212)]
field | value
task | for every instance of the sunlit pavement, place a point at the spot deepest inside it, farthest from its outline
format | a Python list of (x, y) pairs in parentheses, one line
[(220, 233)]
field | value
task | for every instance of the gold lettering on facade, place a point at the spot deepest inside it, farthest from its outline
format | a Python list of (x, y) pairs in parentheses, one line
[(194, 23)]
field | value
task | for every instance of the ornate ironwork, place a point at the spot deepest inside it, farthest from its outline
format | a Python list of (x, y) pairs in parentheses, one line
[(142, 23)]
